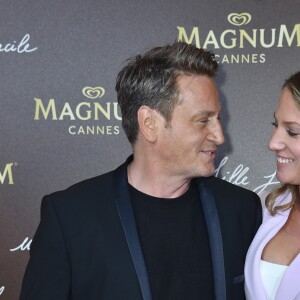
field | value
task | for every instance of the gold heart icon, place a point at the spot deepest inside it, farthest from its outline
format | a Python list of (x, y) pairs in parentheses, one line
[(93, 92), (239, 19)]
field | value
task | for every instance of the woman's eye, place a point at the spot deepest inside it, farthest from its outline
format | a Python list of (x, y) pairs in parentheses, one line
[(292, 133)]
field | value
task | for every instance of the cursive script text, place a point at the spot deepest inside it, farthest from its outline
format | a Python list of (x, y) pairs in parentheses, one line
[(25, 245), (19, 47), (240, 176)]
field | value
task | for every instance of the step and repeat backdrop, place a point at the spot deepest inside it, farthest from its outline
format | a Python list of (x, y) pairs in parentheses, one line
[(59, 118)]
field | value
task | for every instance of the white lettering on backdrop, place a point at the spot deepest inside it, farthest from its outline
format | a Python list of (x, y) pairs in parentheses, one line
[(19, 47), (239, 176), (25, 245)]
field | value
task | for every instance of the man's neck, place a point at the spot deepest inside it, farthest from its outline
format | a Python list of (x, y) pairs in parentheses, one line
[(151, 179)]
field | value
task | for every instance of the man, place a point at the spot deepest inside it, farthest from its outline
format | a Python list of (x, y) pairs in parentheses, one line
[(159, 226)]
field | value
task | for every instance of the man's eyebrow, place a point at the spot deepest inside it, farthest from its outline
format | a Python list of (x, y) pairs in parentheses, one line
[(206, 113)]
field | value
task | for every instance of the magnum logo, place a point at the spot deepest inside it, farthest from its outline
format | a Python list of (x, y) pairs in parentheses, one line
[(242, 39), (239, 19), (93, 93), (6, 175), (90, 110)]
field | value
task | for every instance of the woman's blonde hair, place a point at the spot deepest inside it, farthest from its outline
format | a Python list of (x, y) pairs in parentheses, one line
[(293, 85)]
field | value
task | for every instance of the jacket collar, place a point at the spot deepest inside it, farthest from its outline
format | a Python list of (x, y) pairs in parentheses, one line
[(130, 230), (289, 287), (215, 237)]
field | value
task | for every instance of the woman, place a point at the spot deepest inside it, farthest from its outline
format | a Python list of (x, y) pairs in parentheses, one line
[(272, 269)]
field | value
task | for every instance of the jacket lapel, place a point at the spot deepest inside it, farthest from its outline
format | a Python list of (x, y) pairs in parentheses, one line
[(289, 286), (129, 226), (215, 238)]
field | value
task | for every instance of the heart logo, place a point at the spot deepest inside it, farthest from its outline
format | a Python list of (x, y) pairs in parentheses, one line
[(93, 92), (239, 19)]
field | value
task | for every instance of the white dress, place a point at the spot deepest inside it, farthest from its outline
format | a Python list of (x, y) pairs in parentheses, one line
[(271, 276)]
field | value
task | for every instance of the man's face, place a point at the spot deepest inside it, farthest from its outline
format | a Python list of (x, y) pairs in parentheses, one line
[(190, 140)]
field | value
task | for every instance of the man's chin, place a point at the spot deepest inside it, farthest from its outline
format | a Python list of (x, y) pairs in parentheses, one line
[(207, 173)]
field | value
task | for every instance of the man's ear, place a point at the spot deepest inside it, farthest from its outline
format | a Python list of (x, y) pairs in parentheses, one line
[(148, 123)]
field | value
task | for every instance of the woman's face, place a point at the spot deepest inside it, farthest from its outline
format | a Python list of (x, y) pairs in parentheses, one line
[(285, 139)]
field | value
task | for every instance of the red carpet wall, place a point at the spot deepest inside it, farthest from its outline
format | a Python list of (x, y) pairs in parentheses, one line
[(59, 120)]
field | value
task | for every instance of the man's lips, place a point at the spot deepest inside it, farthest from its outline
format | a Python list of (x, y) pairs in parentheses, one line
[(211, 153)]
